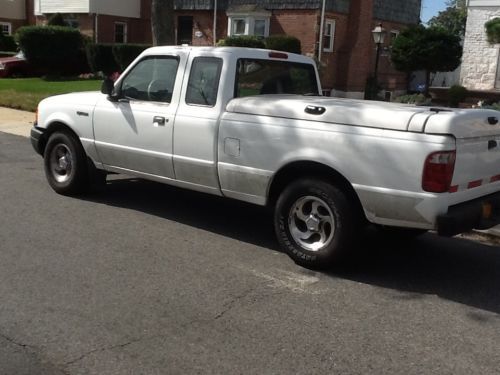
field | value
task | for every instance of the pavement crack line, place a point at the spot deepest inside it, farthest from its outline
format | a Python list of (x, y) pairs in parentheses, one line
[(231, 304), (89, 353), (11, 340)]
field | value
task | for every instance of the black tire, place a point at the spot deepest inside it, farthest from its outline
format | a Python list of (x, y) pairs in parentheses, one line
[(65, 164), (316, 242)]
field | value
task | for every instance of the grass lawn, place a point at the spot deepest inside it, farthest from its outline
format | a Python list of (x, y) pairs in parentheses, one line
[(26, 93)]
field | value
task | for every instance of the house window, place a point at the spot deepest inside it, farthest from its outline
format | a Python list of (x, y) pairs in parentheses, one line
[(120, 32), (329, 35), (393, 35), (257, 24), (259, 28), (5, 28), (239, 27)]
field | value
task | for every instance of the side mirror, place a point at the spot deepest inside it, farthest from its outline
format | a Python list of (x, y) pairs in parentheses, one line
[(107, 86)]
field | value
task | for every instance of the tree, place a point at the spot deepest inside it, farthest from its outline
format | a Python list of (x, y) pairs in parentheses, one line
[(431, 49), (56, 19), (162, 22), (453, 18)]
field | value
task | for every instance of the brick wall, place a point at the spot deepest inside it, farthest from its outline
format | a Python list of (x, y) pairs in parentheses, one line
[(15, 24), (302, 24), (480, 59)]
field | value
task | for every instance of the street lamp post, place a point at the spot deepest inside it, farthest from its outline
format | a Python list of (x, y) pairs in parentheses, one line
[(378, 34)]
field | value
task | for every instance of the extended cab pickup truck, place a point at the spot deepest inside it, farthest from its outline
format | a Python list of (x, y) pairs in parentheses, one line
[(250, 124)]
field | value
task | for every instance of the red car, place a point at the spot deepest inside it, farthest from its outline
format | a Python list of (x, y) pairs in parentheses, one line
[(16, 66)]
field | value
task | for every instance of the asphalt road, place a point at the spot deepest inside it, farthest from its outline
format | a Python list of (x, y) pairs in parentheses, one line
[(146, 279)]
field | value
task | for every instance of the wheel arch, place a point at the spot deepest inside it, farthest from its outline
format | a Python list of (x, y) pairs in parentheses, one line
[(310, 169), (53, 127)]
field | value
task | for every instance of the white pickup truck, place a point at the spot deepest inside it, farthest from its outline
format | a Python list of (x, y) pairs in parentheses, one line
[(251, 125)]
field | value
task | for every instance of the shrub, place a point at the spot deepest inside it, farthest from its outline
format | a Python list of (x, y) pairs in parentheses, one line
[(56, 49), (285, 43), (493, 30), (56, 20), (412, 99), (124, 54), (249, 41), (456, 94), (101, 59), (7, 43)]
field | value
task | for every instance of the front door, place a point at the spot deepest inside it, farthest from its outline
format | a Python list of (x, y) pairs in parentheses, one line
[(134, 134), (185, 30)]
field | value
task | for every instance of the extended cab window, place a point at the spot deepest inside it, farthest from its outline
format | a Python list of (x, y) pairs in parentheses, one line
[(258, 77), (203, 84), (152, 79)]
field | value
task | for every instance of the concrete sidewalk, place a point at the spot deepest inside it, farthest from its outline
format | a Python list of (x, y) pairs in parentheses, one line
[(17, 122)]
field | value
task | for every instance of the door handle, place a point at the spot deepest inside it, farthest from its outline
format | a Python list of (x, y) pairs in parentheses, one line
[(159, 121)]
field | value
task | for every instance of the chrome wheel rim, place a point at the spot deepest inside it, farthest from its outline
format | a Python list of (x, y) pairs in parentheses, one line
[(311, 223), (61, 163)]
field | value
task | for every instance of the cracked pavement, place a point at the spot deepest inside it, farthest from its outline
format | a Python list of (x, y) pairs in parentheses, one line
[(146, 279)]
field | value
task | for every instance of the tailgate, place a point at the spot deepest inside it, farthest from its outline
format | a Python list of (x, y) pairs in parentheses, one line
[(477, 134)]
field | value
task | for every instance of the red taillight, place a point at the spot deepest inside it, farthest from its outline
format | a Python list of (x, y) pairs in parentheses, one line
[(278, 55), (438, 171)]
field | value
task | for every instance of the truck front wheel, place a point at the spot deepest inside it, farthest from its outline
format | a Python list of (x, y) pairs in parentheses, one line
[(65, 164), (314, 222)]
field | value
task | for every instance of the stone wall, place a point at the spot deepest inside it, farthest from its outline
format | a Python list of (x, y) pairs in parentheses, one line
[(480, 58)]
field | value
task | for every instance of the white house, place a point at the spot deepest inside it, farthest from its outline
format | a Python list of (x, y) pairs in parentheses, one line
[(480, 62)]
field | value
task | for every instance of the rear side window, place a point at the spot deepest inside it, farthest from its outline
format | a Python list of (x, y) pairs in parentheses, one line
[(152, 79), (203, 84), (259, 77)]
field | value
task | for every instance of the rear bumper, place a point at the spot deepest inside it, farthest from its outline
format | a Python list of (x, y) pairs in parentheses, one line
[(37, 139), (481, 213)]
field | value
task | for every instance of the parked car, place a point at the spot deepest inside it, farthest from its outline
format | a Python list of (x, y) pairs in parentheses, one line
[(249, 124), (16, 66)]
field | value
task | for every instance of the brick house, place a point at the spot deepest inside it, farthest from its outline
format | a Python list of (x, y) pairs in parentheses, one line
[(13, 14), (480, 61), (347, 56), (348, 53)]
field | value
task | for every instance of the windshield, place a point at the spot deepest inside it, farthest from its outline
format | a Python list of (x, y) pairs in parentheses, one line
[(20, 55), (259, 77)]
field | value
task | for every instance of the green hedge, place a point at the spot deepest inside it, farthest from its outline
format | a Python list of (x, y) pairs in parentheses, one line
[(242, 41), (7, 43), (493, 30), (285, 43), (110, 58), (57, 49), (456, 95), (124, 54), (101, 59)]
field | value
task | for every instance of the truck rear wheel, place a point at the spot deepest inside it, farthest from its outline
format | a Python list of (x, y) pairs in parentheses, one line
[(66, 164), (314, 222)]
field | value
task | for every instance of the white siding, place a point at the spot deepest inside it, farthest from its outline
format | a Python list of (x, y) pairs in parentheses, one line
[(61, 6), (121, 8), (13, 9)]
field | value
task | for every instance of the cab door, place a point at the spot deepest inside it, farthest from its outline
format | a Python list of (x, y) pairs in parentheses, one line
[(196, 127), (133, 132)]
